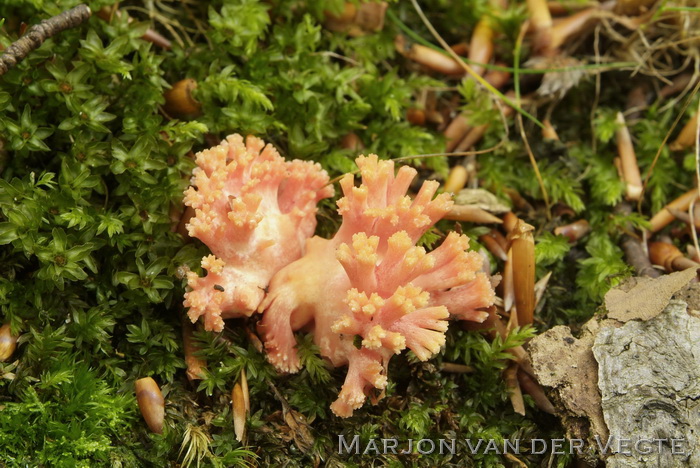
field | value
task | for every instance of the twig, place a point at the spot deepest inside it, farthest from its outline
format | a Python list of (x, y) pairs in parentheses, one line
[(38, 33), (634, 251)]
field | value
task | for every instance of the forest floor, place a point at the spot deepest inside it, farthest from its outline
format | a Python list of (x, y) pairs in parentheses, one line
[(578, 120)]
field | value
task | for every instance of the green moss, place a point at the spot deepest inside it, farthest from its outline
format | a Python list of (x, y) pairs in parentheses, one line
[(91, 272)]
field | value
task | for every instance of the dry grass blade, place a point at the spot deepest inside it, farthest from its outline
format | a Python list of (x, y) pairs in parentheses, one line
[(541, 287), (196, 442), (300, 429), (107, 13), (510, 375), (658, 155)]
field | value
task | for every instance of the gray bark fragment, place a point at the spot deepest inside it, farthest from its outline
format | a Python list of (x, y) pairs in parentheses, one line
[(649, 379)]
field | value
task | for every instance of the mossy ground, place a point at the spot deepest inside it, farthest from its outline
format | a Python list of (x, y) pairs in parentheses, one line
[(92, 168)]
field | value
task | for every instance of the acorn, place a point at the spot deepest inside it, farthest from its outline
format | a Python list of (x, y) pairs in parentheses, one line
[(179, 101), (151, 403), (8, 343)]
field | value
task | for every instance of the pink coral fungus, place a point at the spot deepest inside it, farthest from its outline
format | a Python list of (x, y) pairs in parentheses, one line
[(254, 211), (369, 293)]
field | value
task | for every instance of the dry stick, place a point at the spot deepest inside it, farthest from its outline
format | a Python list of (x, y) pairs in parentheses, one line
[(38, 33), (532, 388), (634, 250)]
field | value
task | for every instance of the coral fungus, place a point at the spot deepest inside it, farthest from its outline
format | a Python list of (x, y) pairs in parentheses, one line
[(254, 211), (369, 293)]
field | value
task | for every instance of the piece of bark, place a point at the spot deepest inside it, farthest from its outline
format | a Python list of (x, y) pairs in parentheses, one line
[(647, 297), (649, 378), (622, 382), (567, 366)]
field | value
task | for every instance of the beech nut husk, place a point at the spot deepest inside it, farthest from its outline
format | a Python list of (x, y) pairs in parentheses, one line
[(8, 343), (179, 101), (151, 403)]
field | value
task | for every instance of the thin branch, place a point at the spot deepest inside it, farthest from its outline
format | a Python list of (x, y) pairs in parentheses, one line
[(634, 249), (38, 33)]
